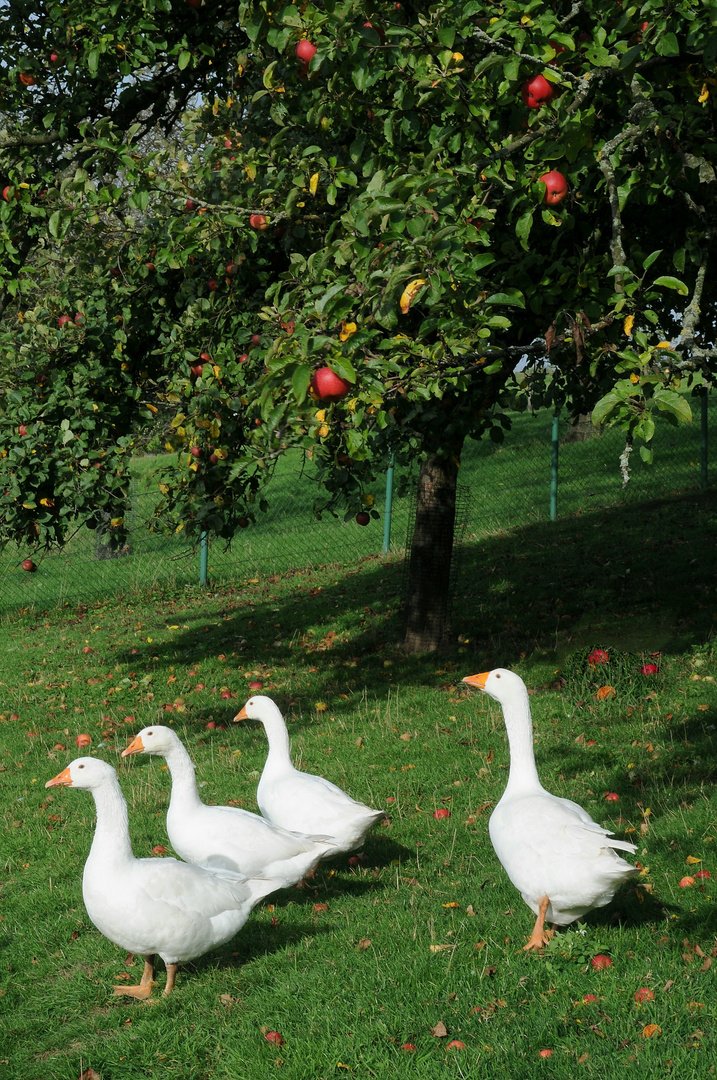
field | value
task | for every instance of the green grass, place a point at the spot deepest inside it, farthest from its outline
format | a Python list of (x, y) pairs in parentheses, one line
[(634, 580)]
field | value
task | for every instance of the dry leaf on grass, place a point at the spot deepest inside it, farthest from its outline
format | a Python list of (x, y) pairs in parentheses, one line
[(364, 943), (440, 1030), (90, 1074)]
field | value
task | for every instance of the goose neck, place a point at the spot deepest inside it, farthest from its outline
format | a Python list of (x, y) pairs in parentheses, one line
[(111, 839), (277, 737), (183, 773), (523, 773)]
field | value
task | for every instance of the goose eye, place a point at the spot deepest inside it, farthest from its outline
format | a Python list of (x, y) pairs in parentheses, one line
[(497, 676), (80, 766), (148, 733)]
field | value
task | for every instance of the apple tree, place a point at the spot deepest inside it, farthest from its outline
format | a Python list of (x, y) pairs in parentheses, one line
[(414, 197)]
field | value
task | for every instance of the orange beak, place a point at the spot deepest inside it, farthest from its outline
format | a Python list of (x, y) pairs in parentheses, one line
[(62, 779), (135, 747), (477, 680), (241, 715)]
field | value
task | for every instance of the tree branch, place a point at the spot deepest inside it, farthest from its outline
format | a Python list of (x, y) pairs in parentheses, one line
[(7, 142)]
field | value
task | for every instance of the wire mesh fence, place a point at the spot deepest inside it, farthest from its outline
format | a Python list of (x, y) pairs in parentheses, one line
[(501, 487)]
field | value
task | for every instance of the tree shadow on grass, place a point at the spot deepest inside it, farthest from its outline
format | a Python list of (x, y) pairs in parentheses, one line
[(636, 575)]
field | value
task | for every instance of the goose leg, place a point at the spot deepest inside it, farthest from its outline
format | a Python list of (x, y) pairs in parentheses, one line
[(540, 935), (171, 976), (145, 984)]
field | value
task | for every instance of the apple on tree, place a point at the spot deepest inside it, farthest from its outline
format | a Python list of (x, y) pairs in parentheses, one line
[(305, 51), (537, 91), (556, 187), (328, 386), (363, 517), (258, 221)]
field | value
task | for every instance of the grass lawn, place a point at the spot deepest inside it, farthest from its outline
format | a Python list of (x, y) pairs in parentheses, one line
[(420, 941)]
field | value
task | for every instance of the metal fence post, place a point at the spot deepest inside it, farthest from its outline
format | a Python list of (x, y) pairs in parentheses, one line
[(203, 558), (388, 506), (703, 438), (555, 434)]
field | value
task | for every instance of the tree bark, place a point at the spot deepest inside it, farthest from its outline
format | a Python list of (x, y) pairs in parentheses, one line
[(429, 570)]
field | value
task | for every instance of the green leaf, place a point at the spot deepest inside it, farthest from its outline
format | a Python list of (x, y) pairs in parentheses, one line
[(672, 283), (93, 61), (607, 405), (523, 226), (647, 263), (511, 297), (343, 367), (300, 379), (184, 59), (671, 402), (646, 454), (667, 45)]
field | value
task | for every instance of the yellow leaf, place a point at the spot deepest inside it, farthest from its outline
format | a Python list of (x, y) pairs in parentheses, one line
[(250, 170), (628, 324), (221, 454), (663, 345), (410, 292), (440, 948), (116, 522), (323, 431), (651, 1029), (321, 415), (347, 329), (313, 183), (457, 56), (704, 95), (634, 378), (152, 409), (692, 860), (451, 904)]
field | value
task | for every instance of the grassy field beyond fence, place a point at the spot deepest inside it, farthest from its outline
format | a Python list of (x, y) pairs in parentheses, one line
[(503, 487)]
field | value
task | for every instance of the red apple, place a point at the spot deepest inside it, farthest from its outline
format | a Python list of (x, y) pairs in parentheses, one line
[(611, 796), (545, 1053), (6, 194), (274, 1037), (212, 285), (205, 356), (536, 91), (211, 724), (703, 875), (27, 80), (556, 187), (258, 221), (650, 669), (598, 656), (256, 686), (600, 962), (377, 30), (232, 268), (243, 522), (22, 430), (441, 813), (80, 319), (87, 649), (410, 1047), (644, 994), (589, 998), (159, 850), (686, 882), (363, 518), (83, 740), (195, 451), (189, 204), (226, 694), (150, 267), (243, 358), (28, 564), (321, 907), (14, 716), (305, 50), (328, 386), (256, 339), (455, 1044), (63, 321), (54, 57)]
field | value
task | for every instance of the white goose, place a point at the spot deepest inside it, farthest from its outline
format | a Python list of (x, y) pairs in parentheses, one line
[(150, 906), (299, 800), (224, 837), (560, 860)]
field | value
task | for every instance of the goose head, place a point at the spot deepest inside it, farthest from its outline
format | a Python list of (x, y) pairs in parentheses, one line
[(156, 739), (258, 707), (504, 686), (84, 772)]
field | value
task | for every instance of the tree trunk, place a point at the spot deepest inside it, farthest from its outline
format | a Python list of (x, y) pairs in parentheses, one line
[(429, 569)]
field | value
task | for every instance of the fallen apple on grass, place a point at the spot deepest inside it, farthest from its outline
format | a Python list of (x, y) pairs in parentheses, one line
[(441, 814), (274, 1037), (363, 518), (28, 565), (83, 740), (600, 962), (159, 850), (644, 994)]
